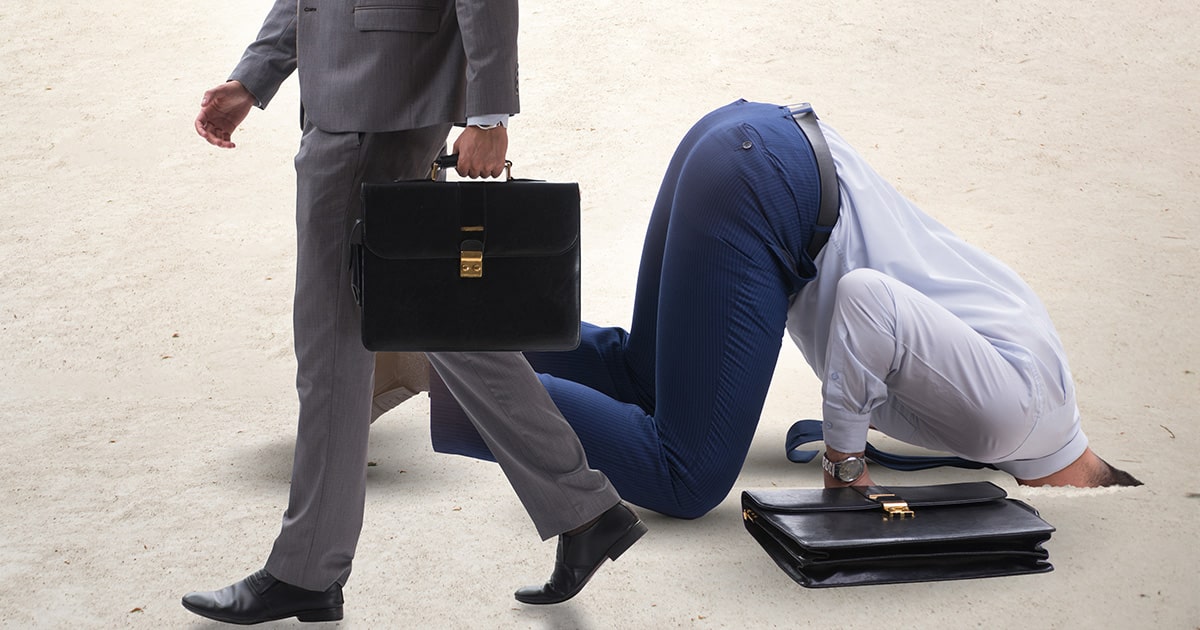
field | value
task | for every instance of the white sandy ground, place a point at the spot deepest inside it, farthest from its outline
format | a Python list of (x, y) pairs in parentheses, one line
[(146, 402)]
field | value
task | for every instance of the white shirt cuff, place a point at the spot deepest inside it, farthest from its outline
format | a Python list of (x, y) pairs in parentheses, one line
[(488, 120)]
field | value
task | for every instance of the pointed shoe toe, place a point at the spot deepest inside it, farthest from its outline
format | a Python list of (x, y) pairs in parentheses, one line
[(260, 597)]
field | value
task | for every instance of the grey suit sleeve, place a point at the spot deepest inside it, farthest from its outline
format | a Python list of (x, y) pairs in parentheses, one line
[(272, 57), (489, 33)]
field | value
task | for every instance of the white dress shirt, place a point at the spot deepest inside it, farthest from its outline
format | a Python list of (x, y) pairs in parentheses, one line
[(880, 229)]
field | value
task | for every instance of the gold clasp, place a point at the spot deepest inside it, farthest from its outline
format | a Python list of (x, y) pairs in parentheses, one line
[(470, 264), (748, 514), (896, 508)]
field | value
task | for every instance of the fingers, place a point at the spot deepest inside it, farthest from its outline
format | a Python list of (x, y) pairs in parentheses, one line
[(222, 109), (201, 128), (207, 121), (476, 171), (481, 152), (469, 165), (213, 134)]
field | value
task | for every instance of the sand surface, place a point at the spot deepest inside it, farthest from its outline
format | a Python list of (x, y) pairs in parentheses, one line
[(147, 406)]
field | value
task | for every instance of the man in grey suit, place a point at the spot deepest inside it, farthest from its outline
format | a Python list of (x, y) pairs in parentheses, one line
[(381, 83)]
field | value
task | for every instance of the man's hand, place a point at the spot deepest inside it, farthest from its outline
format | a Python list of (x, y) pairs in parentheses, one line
[(481, 151), (222, 109)]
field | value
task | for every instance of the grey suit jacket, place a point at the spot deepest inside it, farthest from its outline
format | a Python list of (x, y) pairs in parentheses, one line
[(388, 65)]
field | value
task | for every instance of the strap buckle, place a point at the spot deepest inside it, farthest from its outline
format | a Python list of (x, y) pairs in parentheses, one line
[(800, 109), (894, 506)]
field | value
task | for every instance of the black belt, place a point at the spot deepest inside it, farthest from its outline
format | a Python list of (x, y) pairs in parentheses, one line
[(827, 214)]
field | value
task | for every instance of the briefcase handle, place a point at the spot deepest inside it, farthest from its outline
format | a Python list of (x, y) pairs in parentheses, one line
[(447, 161)]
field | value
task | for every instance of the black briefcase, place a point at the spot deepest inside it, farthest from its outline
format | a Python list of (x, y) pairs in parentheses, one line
[(854, 536), (468, 266)]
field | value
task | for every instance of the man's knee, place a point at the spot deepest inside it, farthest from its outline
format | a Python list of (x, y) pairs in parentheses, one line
[(696, 505), (865, 312), (863, 287), (702, 489)]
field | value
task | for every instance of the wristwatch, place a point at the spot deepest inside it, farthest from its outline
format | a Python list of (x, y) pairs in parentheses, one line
[(846, 471)]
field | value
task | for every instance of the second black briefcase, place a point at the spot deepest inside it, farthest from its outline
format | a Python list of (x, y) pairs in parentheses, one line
[(855, 536), (468, 266)]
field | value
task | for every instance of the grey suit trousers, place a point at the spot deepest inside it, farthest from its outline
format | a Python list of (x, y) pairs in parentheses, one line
[(535, 446)]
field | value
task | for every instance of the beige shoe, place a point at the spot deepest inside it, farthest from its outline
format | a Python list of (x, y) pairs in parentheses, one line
[(398, 377)]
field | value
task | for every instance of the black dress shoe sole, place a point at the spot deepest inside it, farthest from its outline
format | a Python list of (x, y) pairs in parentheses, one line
[(320, 614), (636, 531), (625, 542)]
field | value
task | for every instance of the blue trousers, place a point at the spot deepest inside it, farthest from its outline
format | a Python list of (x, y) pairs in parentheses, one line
[(668, 409)]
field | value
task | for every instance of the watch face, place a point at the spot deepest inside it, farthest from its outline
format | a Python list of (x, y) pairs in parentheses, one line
[(850, 469)]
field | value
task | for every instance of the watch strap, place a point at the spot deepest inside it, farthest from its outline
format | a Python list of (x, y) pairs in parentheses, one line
[(834, 468)]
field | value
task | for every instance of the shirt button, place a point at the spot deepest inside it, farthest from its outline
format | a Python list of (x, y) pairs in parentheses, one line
[(836, 376), (747, 145)]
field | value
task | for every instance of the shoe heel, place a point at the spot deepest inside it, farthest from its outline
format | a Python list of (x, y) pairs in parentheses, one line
[(637, 531), (325, 614)]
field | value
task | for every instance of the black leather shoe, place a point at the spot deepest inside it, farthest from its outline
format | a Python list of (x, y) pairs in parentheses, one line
[(579, 555), (260, 597)]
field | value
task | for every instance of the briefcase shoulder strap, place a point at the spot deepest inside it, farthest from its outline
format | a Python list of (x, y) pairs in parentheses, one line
[(804, 431)]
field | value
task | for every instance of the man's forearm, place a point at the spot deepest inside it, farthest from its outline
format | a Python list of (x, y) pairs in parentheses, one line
[(489, 33)]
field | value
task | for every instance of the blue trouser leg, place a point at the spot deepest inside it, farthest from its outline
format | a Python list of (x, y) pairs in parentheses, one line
[(599, 361), (668, 410)]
